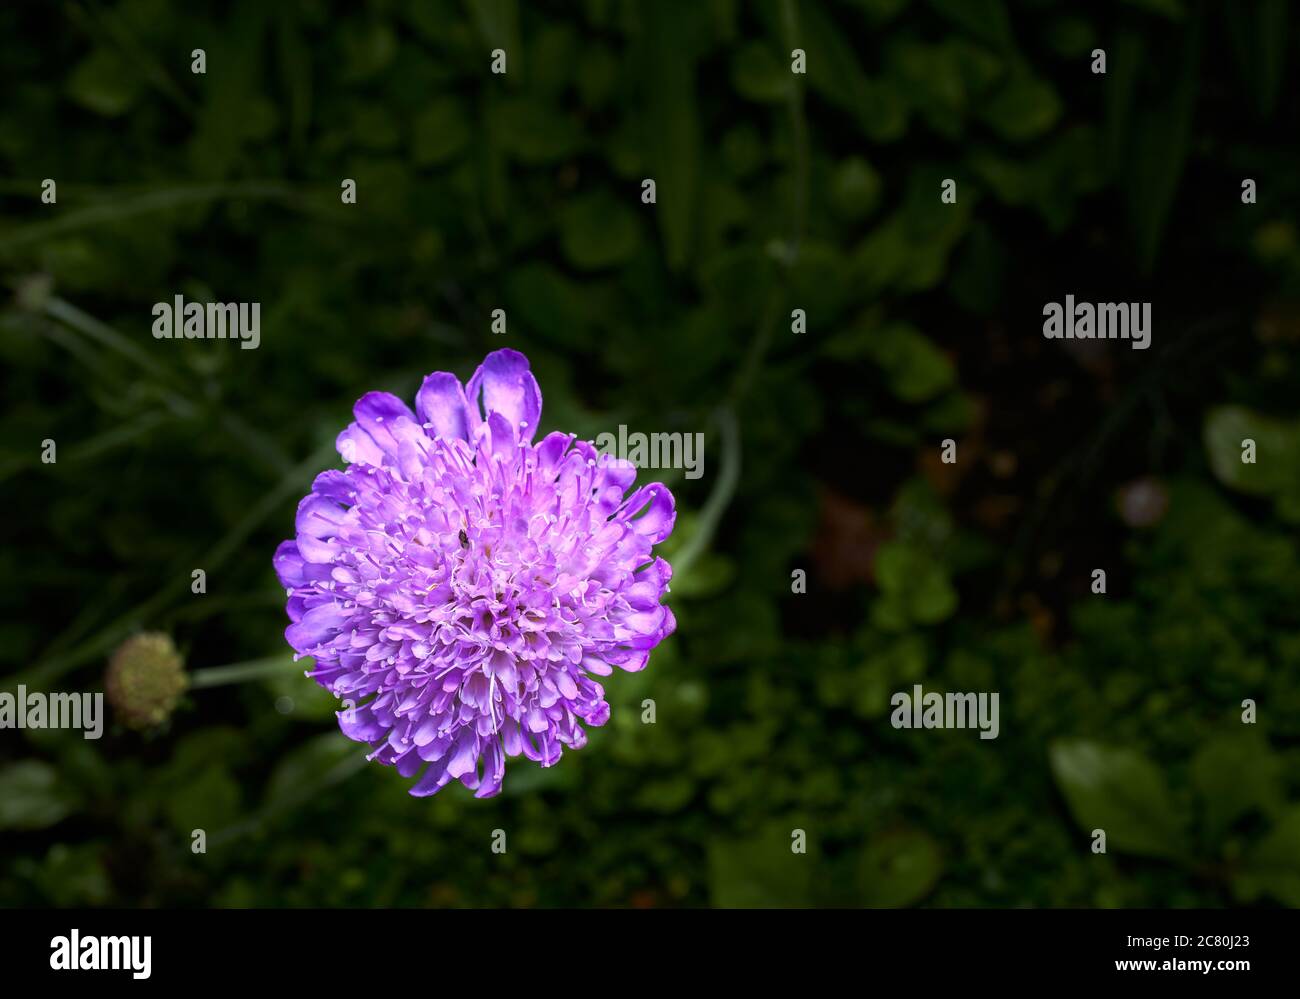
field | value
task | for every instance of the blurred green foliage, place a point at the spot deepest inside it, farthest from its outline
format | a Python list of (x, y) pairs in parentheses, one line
[(775, 192)]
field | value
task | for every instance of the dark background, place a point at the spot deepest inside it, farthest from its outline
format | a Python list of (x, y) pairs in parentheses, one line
[(821, 192)]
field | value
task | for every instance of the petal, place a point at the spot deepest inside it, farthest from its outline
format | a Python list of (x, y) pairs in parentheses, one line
[(336, 485), (503, 384), (288, 562), (494, 770), (505, 436), (670, 622), (536, 720), (658, 571), (434, 779), (441, 402), (316, 549), (319, 517), (615, 471), (564, 683), (551, 450), (355, 446), (636, 661), (377, 413), (360, 724), (502, 664), (427, 730), (464, 756), (657, 512), (317, 625), (643, 595), (408, 763), (598, 715)]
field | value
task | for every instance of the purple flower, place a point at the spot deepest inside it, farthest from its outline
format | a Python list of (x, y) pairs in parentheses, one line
[(459, 585)]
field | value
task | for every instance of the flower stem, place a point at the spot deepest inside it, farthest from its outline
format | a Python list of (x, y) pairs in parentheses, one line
[(723, 490), (252, 669)]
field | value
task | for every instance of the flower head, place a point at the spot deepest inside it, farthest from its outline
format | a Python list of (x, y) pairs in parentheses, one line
[(459, 586), (145, 680)]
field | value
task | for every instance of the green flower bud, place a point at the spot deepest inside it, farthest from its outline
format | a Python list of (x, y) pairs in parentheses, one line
[(145, 680)]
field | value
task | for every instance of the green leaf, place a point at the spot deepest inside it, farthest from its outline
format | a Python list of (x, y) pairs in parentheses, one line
[(1161, 139), (235, 111), (1235, 774), (1023, 108), (914, 583), (984, 19), (498, 25), (73, 876), (534, 132), (934, 81), (597, 230), (198, 749), (1273, 866), (1072, 37), (915, 368), (1122, 792), (898, 869), (208, 801), (32, 796), (855, 189), (977, 277), (759, 75), (819, 279), (597, 75), (834, 73), (553, 60), (1271, 30), (759, 873), (367, 51), (295, 73), (105, 83), (439, 132), (671, 137), (909, 251), (554, 305), (666, 795), (1277, 448), (1124, 65), (833, 69), (1258, 35), (305, 765)]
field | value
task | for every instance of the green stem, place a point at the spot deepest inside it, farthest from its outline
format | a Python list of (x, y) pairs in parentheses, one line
[(252, 669), (103, 334), (92, 446), (162, 200), (723, 490)]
